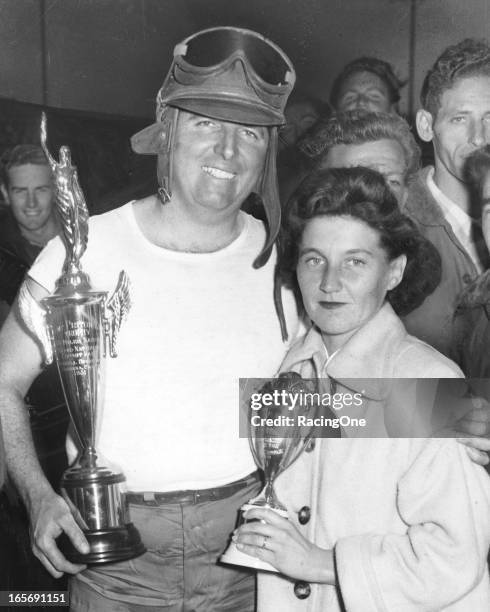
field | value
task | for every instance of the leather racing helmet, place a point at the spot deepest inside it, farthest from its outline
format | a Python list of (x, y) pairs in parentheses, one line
[(228, 74)]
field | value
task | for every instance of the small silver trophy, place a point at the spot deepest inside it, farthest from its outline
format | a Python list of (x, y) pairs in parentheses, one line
[(275, 447), (78, 326)]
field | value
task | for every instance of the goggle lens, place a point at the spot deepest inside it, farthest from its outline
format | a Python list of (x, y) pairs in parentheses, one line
[(211, 47)]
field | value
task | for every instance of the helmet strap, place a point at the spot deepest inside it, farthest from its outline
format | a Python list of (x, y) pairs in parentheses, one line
[(165, 165)]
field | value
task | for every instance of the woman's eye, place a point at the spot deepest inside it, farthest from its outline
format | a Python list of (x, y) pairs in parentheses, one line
[(205, 122), (313, 262)]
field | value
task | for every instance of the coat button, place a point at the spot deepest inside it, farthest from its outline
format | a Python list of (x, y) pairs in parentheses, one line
[(302, 590), (310, 446), (467, 279), (304, 515)]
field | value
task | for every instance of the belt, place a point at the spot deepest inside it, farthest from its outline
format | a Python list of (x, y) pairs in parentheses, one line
[(191, 496)]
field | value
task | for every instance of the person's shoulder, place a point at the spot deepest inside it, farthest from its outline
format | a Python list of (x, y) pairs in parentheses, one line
[(418, 193), (424, 361), (109, 220), (120, 211), (6, 225), (301, 352)]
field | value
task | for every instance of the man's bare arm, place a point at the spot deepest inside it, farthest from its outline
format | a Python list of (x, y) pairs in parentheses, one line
[(20, 363)]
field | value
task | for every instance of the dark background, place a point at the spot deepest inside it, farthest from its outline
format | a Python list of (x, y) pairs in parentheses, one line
[(97, 64)]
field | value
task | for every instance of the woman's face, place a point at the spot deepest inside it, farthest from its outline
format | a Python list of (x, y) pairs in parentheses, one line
[(343, 274), (485, 213)]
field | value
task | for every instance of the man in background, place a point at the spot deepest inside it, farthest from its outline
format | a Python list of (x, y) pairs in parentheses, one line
[(455, 117), (368, 84), (379, 141), (28, 222)]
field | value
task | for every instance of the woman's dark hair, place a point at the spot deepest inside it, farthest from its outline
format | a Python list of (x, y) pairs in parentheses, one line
[(362, 194)]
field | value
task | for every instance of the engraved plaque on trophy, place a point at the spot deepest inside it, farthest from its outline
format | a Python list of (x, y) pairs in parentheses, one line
[(78, 326)]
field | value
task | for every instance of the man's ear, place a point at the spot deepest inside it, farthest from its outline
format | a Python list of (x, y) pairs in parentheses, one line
[(5, 194), (423, 121)]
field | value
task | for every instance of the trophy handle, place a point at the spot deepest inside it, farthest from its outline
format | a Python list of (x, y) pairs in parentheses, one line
[(117, 309)]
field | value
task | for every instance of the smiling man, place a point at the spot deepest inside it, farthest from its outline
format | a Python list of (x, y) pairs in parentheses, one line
[(368, 84), (455, 117), (202, 316), (29, 221)]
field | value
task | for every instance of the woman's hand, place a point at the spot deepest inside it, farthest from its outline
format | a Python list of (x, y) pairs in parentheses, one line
[(276, 540)]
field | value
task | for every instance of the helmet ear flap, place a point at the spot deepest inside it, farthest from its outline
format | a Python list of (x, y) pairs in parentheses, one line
[(164, 152), (269, 194)]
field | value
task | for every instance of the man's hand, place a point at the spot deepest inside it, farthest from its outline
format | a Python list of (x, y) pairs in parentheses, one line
[(276, 540), (50, 517), (472, 428)]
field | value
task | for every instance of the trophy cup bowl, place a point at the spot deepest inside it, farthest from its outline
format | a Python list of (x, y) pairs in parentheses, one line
[(78, 326), (75, 327), (274, 447)]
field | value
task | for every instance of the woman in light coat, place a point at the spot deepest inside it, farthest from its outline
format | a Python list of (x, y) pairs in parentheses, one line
[(374, 524)]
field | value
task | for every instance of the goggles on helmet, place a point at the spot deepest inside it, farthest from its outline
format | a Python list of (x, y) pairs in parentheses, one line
[(235, 74), (224, 73)]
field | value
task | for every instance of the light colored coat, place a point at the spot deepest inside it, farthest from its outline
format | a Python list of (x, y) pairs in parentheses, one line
[(408, 519)]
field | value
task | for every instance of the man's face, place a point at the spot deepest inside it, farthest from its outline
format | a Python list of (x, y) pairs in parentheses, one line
[(462, 124), (385, 156), (216, 164), (30, 195), (300, 116), (364, 91), (485, 213)]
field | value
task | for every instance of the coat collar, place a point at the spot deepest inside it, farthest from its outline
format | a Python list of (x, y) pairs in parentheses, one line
[(368, 355), (420, 204)]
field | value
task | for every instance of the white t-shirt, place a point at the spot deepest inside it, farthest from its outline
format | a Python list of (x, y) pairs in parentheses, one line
[(198, 323)]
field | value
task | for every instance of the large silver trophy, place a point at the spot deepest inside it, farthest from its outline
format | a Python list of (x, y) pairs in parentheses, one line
[(276, 442), (78, 326)]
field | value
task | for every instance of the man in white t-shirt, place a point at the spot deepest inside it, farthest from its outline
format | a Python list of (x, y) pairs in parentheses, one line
[(455, 117), (202, 316)]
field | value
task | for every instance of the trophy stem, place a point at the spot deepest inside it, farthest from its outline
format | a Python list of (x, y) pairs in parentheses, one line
[(89, 458), (269, 493), (267, 498)]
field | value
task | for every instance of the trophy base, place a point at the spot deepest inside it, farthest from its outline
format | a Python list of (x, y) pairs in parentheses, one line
[(233, 556), (106, 546)]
